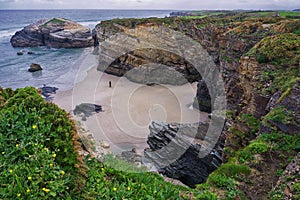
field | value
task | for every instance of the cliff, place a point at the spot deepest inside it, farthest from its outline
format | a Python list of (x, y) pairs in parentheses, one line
[(56, 32), (258, 58)]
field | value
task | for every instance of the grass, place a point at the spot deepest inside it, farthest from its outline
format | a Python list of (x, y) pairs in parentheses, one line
[(54, 21)]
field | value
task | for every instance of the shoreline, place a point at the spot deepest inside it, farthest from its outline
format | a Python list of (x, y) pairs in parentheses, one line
[(128, 107)]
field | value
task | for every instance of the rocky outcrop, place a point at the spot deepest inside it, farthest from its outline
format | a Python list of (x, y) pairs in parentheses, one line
[(56, 32), (202, 99), (175, 150), (86, 110), (35, 67)]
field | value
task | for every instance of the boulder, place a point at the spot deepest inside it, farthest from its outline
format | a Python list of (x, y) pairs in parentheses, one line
[(47, 91), (20, 53), (175, 152), (55, 32), (104, 144), (35, 67), (87, 109)]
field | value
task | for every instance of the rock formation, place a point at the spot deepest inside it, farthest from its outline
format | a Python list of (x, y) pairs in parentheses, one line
[(35, 67), (87, 109), (175, 151), (55, 32)]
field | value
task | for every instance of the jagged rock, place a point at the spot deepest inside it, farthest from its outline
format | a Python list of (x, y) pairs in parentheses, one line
[(87, 109), (55, 32), (47, 91), (20, 53), (202, 100), (30, 53), (35, 67), (104, 144), (175, 152)]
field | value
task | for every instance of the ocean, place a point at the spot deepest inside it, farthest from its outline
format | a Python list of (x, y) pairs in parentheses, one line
[(59, 65)]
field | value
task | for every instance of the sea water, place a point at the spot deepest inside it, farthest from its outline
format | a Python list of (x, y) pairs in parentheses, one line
[(59, 65)]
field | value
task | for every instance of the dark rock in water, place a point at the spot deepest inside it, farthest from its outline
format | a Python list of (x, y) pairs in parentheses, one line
[(202, 100), (47, 91), (35, 67), (177, 155), (30, 52), (55, 32), (20, 53), (87, 109)]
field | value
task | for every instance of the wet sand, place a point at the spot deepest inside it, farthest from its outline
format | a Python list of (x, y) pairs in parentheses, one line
[(128, 107)]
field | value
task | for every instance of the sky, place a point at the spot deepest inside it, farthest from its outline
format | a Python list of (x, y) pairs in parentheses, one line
[(151, 4)]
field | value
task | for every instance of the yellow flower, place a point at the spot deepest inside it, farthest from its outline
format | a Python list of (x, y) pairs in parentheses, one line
[(46, 190), (46, 149), (51, 165), (62, 172), (102, 169), (27, 190), (128, 188), (34, 126), (18, 195), (10, 171), (54, 155), (3, 152), (115, 189), (17, 145), (29, 178)]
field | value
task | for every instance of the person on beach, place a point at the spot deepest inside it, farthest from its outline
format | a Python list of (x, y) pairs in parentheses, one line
[(109, 83)]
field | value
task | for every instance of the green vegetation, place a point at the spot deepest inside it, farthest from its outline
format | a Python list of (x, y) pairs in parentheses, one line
[(279, 114), (282, 49), (38, 158), (252, 122), (54, 21)]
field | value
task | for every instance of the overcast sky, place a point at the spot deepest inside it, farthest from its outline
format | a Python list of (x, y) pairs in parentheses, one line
[(150, 4)]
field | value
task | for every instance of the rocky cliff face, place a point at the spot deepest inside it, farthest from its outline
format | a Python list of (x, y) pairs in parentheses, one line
[(56, 32), (259, 62), (175, 151)]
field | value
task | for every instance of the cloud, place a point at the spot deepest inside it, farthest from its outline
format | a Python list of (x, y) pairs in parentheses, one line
[(151, 4)]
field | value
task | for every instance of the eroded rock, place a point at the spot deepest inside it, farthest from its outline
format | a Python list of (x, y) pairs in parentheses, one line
[(55, 32), (175, 152), (35, 67)]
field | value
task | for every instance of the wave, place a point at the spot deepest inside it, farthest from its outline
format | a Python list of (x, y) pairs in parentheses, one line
[(7, 33), (90, 24)]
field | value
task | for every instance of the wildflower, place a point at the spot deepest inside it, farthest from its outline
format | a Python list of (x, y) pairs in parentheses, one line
[(29, 178), (30, 156), (54, 155), (128, 188), (46, 190), (51, 165), (18, 195), (102, 169), (34, 126), (27, 190), (62, 173), (115, 189), (46, 149), (3, 152), (17, 145), (10, 171)]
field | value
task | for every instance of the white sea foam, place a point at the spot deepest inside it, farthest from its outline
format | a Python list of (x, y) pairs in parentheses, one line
[(7, 33), (90, 24)]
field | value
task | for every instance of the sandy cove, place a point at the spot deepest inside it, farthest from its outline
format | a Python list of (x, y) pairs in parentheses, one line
[(128, 107)]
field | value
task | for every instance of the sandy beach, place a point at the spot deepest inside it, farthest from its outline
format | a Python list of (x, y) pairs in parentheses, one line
[(128, 108)]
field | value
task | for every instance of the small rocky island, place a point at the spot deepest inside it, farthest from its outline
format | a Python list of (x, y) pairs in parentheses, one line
[(55, 32)]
